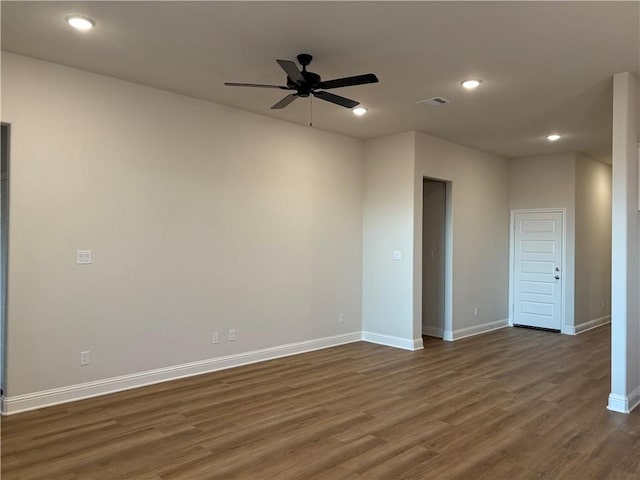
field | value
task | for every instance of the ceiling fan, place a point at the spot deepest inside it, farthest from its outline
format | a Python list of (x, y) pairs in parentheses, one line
[(308, 83)]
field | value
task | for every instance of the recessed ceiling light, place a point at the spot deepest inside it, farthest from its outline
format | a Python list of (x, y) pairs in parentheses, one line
[(471, 84), (553, 137), (359, 111), (80, 23)]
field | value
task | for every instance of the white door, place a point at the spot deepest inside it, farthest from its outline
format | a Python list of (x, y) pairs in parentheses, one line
[(538, 270)]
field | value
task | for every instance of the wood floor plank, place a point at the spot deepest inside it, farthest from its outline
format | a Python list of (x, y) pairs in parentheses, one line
[(511, 404)]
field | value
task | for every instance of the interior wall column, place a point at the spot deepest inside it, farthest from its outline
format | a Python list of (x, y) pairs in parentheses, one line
[(625, 262)]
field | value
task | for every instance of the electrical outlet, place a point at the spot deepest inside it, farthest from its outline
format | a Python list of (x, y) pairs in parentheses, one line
[(84, 358), (232, 335), (83, 257), (476, 311), (215, 338), (341, 319)]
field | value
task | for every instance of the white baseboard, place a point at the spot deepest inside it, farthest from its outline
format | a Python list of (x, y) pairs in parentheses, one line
[(390, 341), (624, 403), (475, 330), (590, 325), (432, 331), (46, 398), (634, 399)]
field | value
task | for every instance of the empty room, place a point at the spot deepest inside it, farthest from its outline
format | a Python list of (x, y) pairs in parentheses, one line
[(320, 240)]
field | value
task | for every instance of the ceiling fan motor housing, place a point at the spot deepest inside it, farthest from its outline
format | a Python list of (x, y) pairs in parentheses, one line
[(311, 81)]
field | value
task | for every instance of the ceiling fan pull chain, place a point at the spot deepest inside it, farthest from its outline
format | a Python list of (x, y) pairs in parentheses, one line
[(311, 110)]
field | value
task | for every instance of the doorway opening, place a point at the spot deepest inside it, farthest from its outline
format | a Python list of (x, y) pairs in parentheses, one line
[(436, 261), (4, 242)]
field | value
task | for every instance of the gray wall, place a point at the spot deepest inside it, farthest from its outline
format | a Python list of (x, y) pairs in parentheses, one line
[(593, 239), (394, 170), (200, 218), (387, 227), (582, 185), (480, 230), (548, 181), (203, 218)]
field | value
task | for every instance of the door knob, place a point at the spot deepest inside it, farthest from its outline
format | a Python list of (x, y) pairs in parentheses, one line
[(557, 277)]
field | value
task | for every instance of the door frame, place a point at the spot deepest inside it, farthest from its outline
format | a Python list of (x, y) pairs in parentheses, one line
[(4, 284), (447, 321), (448, 260), (512, 258)]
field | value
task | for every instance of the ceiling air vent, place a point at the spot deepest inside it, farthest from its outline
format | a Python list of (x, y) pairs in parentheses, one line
[(435, 101)]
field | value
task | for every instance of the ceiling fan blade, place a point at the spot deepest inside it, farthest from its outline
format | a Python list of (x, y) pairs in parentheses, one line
[(337, 99), (291, 70), (349, 81), (285, 101), (259, 85)]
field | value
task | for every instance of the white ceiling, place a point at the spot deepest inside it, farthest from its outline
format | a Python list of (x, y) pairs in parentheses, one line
[(545, 66)]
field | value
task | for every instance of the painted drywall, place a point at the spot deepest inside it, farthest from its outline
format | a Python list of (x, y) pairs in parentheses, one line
[(625, 268), (434, 206), (592, 240), (581, 185), (479, 230), (548, 181), (200, 218), (395, 167), (387, 290)]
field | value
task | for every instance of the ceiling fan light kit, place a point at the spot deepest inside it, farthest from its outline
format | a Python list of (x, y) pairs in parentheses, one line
[(306, 84)]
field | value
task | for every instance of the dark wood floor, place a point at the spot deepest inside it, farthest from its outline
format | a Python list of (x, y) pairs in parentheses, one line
[(512, 404)]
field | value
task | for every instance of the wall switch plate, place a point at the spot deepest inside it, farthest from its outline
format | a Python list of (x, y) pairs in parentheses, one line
[(215, 338), (341, 318), (397, 255), (476, 311), (83, 257), (84, 358), (232, 335)]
